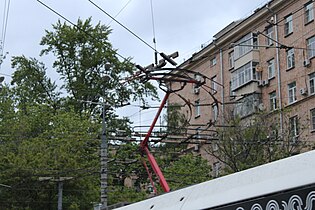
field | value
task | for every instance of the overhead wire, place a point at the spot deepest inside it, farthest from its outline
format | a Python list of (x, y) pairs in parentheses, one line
[(95, 5), (151, 1), (119, 12), (6, 10), (294, 12), (228, 46), (153, 32), (104, 13), (122, 25), (76, 26), (113, 18), (127, 28), (280, 46)]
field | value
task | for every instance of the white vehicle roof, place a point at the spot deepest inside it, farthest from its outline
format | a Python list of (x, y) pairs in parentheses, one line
[(270, 178)]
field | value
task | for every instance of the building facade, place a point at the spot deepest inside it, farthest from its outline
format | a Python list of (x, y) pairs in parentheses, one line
[(265, 62)]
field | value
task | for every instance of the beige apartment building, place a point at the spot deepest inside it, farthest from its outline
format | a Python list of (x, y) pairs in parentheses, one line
[(265, 62)]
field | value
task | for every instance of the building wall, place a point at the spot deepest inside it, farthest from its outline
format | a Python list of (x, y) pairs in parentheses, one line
[(271, 15)]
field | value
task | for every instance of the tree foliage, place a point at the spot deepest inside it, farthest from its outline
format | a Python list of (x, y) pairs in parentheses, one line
[(50, 130), (90, 67), (246, 143), (60, 145), (48, 135), (127, 175), (187, 170), (31, 84)]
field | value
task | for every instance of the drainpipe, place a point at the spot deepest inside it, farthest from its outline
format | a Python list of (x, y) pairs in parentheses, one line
[(222, 82), (279, 73)]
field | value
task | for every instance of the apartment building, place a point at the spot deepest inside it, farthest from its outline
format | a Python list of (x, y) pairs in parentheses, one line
[(265, 62)]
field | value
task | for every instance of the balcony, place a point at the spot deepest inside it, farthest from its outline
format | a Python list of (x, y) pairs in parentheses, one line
[(252, 55), (245, 79), (247, 105), (250, 87)]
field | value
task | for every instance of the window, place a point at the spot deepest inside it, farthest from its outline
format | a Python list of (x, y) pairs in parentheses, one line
[(231, 60), (288, 25), (311, 47), (213, 61), (197, 108), (273, 100), (245, 45), (269, 36), (294, 129), (313, 119), (271, 68), (244, 75), (216, 169), (312, 83), (292, 92), (213, 84), (309, 13), (290, 58), (214, 112)]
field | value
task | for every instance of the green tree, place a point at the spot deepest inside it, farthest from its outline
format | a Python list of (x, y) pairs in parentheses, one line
[(31, 84), (179, 169), (175, 120), (48, 134), (90, 67), (7, 108), (187, 170), (126, 165), (246, 143), (67, 147)]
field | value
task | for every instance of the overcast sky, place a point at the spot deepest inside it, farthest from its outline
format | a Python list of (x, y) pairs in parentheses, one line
[(180, 25)]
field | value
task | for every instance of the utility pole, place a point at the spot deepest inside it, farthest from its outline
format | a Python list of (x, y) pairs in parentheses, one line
[(104, 157), (60, 189), (104, 148)]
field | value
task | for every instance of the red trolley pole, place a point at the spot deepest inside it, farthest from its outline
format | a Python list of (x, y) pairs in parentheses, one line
[(145, 149)]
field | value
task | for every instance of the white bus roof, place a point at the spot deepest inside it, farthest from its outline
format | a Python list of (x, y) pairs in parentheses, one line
[(285, 174)]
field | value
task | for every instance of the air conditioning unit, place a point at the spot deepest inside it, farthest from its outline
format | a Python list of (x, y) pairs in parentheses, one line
[(303, 91), (307, 63), (265, 82)]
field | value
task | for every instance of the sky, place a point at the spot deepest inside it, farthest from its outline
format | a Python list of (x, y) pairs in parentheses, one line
[(179, 25)]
